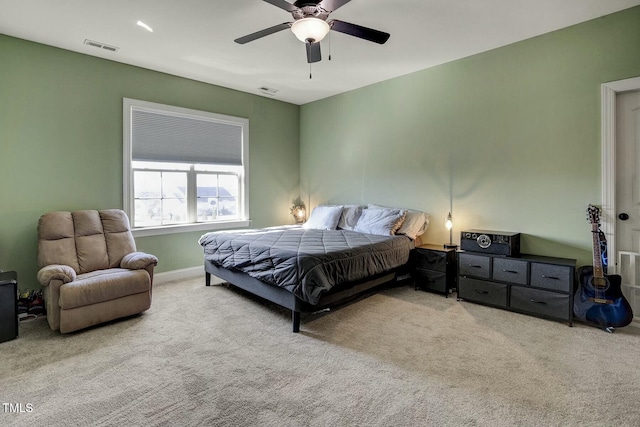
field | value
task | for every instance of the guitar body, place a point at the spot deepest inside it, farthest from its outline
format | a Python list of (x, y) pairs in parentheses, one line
[(613, 310)]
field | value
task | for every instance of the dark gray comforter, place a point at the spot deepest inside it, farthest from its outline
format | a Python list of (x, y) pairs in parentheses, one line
[(305, 262)]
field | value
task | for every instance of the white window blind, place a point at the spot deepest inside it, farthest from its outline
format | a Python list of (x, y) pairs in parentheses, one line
[(162, 142), (161, 137)]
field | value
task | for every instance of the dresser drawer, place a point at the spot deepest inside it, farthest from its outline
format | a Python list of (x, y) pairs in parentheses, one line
[(429, 279), (431, 260), (549, 276), (481, 291), (475, 265), (544, 303), (510, 270)]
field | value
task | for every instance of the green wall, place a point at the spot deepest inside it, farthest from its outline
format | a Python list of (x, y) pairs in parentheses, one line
[(511, 135), (61, 145)]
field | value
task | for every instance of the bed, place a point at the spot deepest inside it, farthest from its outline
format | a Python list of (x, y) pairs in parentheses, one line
[(340, 253)]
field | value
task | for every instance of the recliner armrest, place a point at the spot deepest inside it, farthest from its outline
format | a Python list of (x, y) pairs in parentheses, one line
[(138, 261), (56, 271)]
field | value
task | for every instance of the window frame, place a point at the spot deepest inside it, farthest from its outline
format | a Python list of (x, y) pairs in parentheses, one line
[(129, 105)]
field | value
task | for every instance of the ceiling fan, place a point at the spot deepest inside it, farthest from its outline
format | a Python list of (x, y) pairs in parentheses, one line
[(310, 25)]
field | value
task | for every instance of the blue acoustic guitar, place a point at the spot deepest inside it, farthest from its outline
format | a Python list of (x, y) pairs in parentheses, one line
[(599, 300)]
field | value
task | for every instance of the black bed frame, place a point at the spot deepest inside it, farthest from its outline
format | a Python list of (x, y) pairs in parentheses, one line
[(286, 299)]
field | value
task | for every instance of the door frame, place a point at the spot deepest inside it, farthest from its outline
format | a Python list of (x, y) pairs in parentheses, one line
[(609, 91)]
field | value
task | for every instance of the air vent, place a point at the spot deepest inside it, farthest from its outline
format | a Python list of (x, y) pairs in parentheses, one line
[(268, 90), (101, 45)]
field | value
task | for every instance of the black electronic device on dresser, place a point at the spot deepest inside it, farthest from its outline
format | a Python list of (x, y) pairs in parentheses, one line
[(529, 284), (8, 305), (435, 269), (490, 242)]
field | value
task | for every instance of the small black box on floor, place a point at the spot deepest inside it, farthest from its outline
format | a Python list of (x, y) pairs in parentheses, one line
[(8, 305), (491, 242)]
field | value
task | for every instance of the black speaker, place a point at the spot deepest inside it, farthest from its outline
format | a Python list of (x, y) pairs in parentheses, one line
[(8, 306), (490, 242)]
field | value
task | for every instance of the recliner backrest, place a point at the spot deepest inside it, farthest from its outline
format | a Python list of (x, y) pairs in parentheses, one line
[(85, 240)]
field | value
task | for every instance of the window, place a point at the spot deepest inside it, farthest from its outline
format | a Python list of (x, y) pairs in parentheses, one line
[(183, 169)]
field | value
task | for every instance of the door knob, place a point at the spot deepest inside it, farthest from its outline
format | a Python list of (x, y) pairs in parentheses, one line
[(623, 216)]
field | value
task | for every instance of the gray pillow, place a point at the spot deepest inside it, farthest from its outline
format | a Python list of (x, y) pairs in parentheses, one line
[(350, 216), (384, 222), (324, 218)]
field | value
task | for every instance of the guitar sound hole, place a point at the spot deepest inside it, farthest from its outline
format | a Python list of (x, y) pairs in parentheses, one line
[(600, 283)]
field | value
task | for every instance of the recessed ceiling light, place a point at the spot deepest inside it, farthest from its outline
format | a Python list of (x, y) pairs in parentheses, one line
[(145, 26)]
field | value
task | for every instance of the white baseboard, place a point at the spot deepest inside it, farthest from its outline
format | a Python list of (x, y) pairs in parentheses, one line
[(182, 274)]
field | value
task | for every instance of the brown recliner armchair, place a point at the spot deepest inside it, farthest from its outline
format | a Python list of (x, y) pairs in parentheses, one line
[(90, 270)]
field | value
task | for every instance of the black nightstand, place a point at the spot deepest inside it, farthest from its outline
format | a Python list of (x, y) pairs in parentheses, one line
[(8, 305), (435, 269)]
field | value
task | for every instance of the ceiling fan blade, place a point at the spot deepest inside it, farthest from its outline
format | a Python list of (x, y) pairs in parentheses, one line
[(258, 34), (313, 52), (331, 5), (360, 31), (283, 5)]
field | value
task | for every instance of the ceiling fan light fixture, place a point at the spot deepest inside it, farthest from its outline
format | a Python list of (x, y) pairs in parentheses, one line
[(310, 29)]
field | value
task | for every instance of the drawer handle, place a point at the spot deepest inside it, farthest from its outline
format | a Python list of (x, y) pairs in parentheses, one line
[(510, 271), (474, 266), (550, 277), (537, 302), (480, 291)]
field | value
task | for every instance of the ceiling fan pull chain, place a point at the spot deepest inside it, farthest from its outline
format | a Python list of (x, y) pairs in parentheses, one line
[(310, 71), (329, 41)]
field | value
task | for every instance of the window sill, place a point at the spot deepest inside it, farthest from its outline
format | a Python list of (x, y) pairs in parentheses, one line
[(186, 228)]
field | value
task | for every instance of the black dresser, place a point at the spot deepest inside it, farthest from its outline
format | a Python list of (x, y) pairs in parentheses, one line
[(529, 284)]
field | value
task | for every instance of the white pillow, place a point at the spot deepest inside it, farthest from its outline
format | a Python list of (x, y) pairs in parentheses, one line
[(324, 218), (349, 217), (384, 222), (415, 224)]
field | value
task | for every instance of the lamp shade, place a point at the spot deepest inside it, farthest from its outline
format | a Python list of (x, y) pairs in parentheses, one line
[(299, 213), (310, 29), (449, 222)]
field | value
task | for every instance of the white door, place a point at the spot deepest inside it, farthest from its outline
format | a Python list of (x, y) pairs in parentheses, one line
[(627, 189), (628, 171)]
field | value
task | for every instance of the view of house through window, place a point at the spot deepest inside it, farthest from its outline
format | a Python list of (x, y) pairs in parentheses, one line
[(217, 196), (186, 167)]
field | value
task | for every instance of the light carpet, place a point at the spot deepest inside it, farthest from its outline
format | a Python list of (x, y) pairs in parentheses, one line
[(216, 356)]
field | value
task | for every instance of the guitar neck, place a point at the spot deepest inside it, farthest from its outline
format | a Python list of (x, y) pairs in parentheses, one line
[(598, 271)]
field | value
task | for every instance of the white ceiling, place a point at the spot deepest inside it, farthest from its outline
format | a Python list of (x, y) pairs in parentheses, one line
[(194, 38)]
